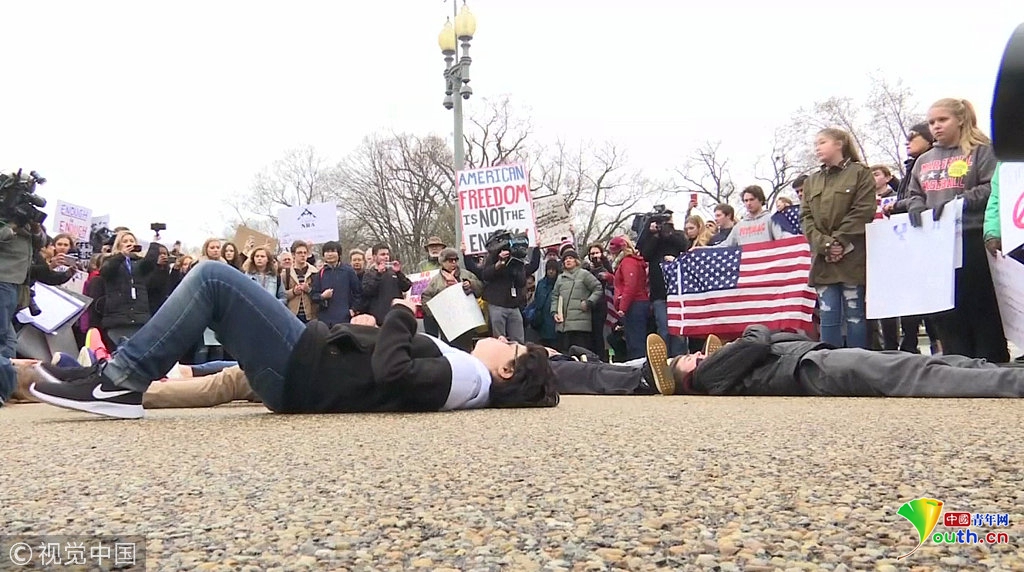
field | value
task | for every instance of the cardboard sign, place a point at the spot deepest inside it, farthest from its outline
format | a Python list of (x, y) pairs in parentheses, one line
[(553, 222), (494, 198), (246, 239)]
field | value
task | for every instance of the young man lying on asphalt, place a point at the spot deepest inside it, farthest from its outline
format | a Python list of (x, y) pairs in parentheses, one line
[(765, 363), (295, 368)]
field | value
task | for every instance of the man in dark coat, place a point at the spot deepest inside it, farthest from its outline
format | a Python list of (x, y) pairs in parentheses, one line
[(766, 363), (304, 368)]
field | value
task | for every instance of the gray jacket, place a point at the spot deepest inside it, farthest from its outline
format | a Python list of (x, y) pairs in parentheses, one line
[(16, 256), (572, 289)]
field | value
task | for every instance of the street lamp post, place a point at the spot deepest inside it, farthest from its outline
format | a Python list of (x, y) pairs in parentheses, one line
[(456, 77)]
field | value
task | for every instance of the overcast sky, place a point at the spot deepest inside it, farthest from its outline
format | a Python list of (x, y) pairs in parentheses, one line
[(159, 112)]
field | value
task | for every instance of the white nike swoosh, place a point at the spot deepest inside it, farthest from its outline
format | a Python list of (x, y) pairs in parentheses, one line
[(98, 393)]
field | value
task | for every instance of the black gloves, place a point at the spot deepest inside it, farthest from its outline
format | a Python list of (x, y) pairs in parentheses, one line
[(937, 211)]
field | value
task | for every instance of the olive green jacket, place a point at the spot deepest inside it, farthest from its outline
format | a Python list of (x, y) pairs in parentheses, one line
[(838, 203), (572, 289)]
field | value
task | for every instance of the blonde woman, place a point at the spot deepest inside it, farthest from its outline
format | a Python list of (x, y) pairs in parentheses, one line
[(262, 268), (125, 302), (961, 164), (697, 232), (211, 250)]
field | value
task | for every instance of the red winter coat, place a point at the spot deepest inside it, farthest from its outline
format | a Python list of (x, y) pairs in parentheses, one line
[(630, 282)]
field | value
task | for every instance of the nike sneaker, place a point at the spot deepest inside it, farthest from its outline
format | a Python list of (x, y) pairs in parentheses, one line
[(92, 393)]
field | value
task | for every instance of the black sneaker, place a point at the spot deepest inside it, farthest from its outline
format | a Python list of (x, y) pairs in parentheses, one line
[(93, 393), (56, 374), (657, 358)]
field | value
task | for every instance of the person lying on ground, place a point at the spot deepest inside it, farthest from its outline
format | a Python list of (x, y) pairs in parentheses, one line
[(299, 368), (766, 363)]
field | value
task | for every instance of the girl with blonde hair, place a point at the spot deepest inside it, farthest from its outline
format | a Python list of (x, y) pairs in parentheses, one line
[(961, 164), (697, 232), (125, 301)]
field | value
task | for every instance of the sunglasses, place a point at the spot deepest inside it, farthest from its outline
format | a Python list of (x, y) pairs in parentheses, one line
[(451, 259)]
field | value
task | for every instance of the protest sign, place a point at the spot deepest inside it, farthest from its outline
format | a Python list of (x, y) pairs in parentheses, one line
[(455, 311), (1008, 281), (314, 224), (494, 198), (74, 220), (899, 254), (419, 284), (247, 239), (1011, 205), (552, 220)]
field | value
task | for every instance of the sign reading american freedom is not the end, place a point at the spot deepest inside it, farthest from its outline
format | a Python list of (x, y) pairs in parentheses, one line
[(494, 198)]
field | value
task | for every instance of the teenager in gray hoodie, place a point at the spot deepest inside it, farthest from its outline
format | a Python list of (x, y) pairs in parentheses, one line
[(757, 224)]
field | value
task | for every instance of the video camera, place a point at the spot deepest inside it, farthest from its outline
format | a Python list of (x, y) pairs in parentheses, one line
[(19, 203), (1008, 100), (517, 244), (642, 222)]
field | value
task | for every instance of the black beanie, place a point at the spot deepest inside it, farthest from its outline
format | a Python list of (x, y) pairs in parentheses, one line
[(923, 130)]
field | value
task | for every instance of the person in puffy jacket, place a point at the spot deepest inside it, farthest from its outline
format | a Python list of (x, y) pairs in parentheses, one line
[(575, 295), (124, 274), (543, 320), (631, 295)]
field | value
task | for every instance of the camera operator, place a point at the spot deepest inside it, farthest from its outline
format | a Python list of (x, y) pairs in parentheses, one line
[(660, 242), (18, 248), (504, 279)]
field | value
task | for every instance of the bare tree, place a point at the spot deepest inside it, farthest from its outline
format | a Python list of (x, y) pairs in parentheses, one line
[(786, 161), (600, 191), (878, 125), (398, 189), (706, 172), (497, 135), (301, 177)]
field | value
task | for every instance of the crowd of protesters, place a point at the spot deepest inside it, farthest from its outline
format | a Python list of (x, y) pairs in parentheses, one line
[(565, 299)]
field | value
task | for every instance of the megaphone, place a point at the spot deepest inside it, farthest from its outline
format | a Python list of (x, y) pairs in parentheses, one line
[(1008, 102)]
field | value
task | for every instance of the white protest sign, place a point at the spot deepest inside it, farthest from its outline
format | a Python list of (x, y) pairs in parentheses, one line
[(494, 198), (1011, 205), (899, 254), (77, 283), (958, 235), (455, 311), (419, 284), (74, 220), (314, 224), (1008, 280), (552, 219)]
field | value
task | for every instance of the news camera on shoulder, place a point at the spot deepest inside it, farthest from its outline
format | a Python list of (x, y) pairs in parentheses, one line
[(19, 204)]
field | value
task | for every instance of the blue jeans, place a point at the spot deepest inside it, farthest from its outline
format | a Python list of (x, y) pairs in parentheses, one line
[(635, 325), (252, 324), (676, 345), (839, 302), (211, 367), (8, 339)]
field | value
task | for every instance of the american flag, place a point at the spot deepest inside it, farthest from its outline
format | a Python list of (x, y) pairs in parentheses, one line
[(724, 290), (789, 219)]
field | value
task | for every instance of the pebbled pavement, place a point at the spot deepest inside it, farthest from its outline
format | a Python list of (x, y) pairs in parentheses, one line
[(638, 483)]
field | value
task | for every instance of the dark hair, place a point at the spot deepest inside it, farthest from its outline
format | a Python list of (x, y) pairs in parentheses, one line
[(552, 265), (756, 191), (596, 245), (331, 246), (727, 210), (379, 247), (532, 385), (300, 243), (798, 183)]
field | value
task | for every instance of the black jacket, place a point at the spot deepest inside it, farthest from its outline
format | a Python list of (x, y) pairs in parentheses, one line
[(654, 248), (759, 363), (501, 283), (347, 293), (348, 368), (380, 289), (159, 285), (119, 308), (40, 271)]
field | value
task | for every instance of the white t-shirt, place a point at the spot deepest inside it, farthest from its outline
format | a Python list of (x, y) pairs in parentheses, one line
[(471, 382)]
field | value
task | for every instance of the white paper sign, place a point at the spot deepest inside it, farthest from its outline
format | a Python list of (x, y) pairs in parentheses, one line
[(1011, 205), (553, 222), (455, 311), (57, 309), (77, 283), (900, 255), (314, 224), (494, 198), (419, 284), (1008, 280), (958, 237), (72, 219)]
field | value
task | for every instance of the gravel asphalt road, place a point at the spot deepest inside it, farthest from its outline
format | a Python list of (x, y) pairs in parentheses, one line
[(639, 483)]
